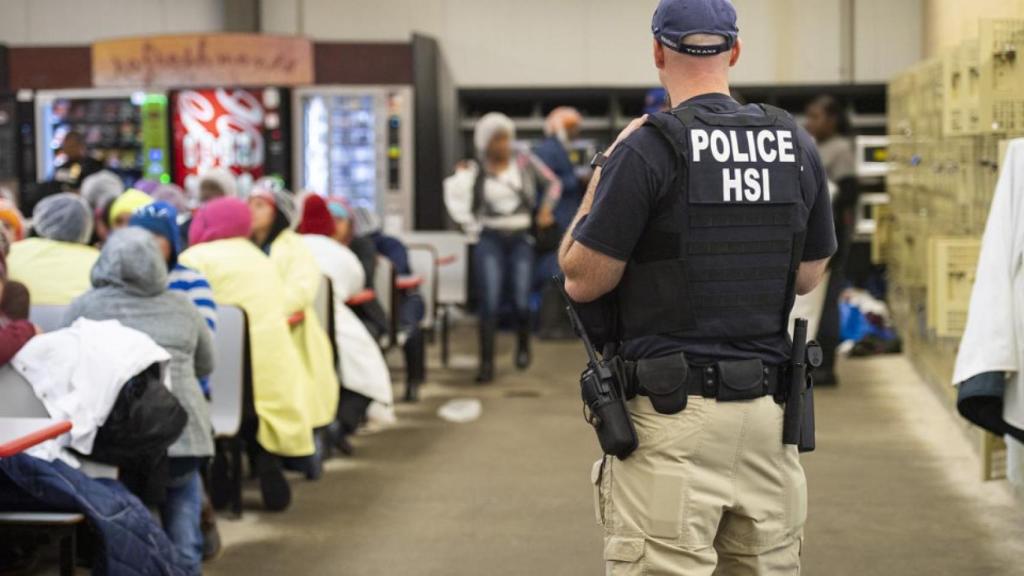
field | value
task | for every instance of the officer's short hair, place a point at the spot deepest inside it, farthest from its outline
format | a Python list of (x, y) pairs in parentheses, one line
[(703, 39)]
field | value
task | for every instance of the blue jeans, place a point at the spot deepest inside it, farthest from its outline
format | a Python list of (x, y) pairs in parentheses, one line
[(181, 513), (501, 260)]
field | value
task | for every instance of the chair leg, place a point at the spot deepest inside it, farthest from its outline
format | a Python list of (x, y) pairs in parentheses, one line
[(236, 476), (68, 551), (444, 336)]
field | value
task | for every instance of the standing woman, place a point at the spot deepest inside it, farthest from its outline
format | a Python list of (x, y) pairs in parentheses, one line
[(273, 215), (496, 196), (828, 122)]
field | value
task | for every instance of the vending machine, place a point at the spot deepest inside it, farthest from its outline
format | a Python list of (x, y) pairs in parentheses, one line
[(125, 129), (357, 142), (9, 140), (240, 129)]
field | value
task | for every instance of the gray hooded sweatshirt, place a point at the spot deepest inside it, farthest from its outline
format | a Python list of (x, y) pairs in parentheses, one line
[(130, 285)]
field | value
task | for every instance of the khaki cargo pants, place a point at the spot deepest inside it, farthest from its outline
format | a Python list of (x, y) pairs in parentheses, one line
[(710, 491)]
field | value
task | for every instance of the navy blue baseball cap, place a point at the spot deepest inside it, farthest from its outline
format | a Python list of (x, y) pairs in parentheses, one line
[(676, 19)]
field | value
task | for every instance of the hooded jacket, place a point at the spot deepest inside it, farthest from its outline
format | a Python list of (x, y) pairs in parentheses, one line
[(241, 275), (130, 286)]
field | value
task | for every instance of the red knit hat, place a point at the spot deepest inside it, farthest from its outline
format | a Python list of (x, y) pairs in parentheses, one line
[(316, 218)]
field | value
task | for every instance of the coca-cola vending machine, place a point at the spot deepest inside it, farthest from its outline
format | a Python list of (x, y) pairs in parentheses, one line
[(243, 130)]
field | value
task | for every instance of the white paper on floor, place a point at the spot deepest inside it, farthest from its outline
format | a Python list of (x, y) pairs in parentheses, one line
[(462, 410)]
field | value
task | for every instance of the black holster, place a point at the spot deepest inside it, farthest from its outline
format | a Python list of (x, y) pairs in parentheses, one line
[(605, 407)]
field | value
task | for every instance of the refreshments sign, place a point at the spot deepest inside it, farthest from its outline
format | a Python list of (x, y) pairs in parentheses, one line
[(203, 60)]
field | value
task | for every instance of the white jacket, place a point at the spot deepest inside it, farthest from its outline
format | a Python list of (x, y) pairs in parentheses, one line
[(361, 364), (78, 372), (991, 341)]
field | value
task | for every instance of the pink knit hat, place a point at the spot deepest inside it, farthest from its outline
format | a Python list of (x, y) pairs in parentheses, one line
[(220, 219)]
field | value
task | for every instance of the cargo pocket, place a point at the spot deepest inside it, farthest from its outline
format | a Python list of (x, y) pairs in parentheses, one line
[(596, 476), (624, 556)]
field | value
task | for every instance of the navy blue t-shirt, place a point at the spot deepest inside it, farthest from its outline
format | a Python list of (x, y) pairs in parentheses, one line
[(635, 177)]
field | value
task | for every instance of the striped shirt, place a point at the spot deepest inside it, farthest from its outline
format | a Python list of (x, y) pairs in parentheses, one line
[(197, 288)]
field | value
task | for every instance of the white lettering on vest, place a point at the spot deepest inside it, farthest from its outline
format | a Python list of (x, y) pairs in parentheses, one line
[(719, 146), (698, 141), (786, 146), (767, 154), (753, 190), (727, 146), (746, 184), (737, 156), (732, 186)]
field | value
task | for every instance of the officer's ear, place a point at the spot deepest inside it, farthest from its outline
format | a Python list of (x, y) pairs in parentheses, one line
[(659, 55), (734, 56)]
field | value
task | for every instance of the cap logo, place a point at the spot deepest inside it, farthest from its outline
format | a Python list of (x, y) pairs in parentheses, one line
[(669, 42)]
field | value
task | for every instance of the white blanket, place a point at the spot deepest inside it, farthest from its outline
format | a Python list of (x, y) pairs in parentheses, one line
[(994, 322), (78, 372)]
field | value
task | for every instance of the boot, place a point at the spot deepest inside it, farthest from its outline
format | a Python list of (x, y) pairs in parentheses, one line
[(523, 346), (415, 366), (487, 335), (277, 494)]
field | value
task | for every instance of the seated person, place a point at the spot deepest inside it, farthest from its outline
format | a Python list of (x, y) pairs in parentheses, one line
[(273, 214), (364, 373), (161, 219), (55, 265), (12, 224), (15, 329), (212, 183), (242, 275), (101, 190), (411, 308), (371, 313), (125, 205), (130, 286)]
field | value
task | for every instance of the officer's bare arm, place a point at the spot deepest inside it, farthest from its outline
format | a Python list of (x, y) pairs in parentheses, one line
[(588, 273), (809, 275)]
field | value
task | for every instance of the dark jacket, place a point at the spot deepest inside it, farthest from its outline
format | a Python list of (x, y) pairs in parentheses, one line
[(131, 542), (553, 153)]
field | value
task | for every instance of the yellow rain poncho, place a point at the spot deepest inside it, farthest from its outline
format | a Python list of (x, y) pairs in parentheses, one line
[(301, 276), (55, 267), (54, 272), (241, 275)]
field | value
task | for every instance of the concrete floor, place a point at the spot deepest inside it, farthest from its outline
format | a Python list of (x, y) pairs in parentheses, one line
[(894, 487)]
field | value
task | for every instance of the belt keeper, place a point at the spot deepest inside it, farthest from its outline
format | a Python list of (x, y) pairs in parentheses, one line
[(710, 390)]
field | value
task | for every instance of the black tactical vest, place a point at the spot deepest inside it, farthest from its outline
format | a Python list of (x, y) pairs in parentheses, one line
[(719, 257)]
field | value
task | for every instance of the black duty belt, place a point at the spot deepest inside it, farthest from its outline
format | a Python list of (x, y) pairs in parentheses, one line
[(727, 380)]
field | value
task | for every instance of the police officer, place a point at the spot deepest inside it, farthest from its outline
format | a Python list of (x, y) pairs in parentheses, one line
[(701, 224)]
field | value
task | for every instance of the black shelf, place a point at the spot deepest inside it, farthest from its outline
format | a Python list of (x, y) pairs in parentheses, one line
[(608, 110)]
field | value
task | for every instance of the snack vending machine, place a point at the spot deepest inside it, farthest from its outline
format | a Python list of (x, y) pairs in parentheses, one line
[(124, 129), (240, 129), (357, 143)]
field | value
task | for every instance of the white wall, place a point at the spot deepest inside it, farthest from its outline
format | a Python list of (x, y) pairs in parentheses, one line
[(528, 42), (607, 42), (889, 37), (42, 22)]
